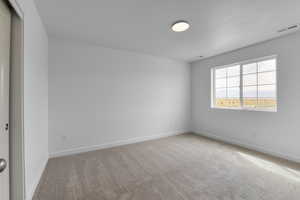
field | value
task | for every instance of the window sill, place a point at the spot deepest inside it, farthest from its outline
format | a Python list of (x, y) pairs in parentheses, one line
[(246, 109)]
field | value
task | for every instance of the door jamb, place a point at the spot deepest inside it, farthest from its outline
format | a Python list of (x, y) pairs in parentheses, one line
[(16, 108)]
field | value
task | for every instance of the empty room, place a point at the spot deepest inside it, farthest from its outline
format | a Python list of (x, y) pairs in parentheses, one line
[(150, 100)]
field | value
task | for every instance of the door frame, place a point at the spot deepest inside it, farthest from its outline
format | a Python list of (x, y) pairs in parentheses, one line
[(16, 8), (16, 107)]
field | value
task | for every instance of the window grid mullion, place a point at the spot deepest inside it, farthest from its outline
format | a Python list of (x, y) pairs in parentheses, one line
[(256, 85), (214, 85), (226, 83), (241, 87), (237, 86), (260, 72)]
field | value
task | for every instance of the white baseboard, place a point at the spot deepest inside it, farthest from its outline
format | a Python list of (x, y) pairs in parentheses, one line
[(30, 194), (114, 144), (248, 145)]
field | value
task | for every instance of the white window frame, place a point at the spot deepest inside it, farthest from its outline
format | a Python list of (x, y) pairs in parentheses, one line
[(213, 81)]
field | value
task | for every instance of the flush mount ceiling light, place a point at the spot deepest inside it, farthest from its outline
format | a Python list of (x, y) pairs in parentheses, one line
[(180, 26)]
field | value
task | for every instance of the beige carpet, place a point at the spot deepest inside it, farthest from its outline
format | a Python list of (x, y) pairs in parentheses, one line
[(185, 167)]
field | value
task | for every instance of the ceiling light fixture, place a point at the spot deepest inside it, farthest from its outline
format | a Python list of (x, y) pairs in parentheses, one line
[(180, 26)]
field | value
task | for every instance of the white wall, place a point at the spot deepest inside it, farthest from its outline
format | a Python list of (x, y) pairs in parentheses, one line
[(35, 96), (276, 133), (100, 97)]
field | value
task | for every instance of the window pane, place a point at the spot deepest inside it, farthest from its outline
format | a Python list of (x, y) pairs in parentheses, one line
[(221, 93), (250, 102), (234, 81), (228, 102), (233, 71), (249, 68), (233, 92), (221, 83), (250, 79), (267, 91), (250, 96), (221, 72), (268, 65), (250, 91), (267, 103), (267, 97), (267, 78)]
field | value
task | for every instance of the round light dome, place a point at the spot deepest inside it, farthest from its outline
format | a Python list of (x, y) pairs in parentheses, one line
[(180, 26)]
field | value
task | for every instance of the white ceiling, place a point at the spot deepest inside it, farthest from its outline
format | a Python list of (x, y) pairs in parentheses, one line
[(217, 26)]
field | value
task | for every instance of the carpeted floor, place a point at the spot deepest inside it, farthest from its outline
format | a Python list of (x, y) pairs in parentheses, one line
[(184, 167)]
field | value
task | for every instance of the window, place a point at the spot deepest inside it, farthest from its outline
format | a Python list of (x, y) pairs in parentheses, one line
[(249, 85)]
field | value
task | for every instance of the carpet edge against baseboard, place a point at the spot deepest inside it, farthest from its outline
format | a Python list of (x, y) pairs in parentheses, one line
[(84, 149), (248, 145)]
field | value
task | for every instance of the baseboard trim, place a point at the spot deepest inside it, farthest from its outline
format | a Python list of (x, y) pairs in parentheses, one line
[(248, 145), (115, 144), (35, 185)]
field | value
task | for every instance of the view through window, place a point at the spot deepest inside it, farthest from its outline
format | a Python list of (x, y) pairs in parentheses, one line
[(247, 85)]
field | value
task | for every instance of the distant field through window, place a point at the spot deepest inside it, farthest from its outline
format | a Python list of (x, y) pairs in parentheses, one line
[(249, 85)]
